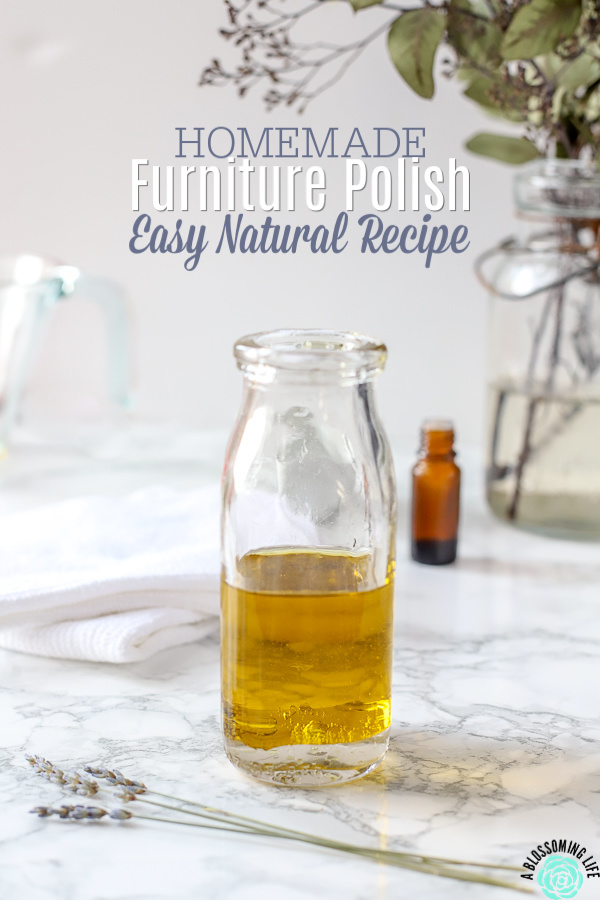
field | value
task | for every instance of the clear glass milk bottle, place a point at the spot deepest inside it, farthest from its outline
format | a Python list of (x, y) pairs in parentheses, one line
[(308, 542)]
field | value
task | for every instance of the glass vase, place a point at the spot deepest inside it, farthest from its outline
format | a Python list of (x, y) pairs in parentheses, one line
[(543, 463)]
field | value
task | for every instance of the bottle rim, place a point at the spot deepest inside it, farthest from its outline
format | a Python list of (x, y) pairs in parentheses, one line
[(311, 350), (438, 425)]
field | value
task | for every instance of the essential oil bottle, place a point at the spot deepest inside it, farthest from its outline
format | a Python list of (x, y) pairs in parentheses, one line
[(435, 496)]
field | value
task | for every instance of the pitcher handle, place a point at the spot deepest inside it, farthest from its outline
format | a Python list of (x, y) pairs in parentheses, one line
[(114, 305)]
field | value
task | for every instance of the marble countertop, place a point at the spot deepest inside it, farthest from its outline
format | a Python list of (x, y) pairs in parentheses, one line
[(494, 745)]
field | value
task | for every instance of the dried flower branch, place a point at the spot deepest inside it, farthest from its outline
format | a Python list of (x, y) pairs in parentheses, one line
[(295, 72), (536, 63), (135, 791)]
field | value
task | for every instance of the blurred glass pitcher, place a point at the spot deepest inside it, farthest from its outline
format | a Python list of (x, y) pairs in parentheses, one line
[(29, 288)]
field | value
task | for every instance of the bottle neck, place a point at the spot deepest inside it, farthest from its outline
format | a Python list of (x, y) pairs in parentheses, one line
[(270, 385), (438, 444), (267, 377)]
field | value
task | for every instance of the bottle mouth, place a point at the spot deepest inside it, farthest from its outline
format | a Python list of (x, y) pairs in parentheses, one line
[(443, 426), (437, 437), (561, 188), (312, 351)]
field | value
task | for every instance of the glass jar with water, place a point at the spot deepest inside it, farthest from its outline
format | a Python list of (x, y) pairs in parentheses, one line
[(543, 464)]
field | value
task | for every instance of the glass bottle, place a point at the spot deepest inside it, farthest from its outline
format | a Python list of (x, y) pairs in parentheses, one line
[(435, 496), (543, 465), (30, 287), (308, 542)]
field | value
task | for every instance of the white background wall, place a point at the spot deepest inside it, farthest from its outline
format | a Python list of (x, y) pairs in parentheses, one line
[(85, 87)]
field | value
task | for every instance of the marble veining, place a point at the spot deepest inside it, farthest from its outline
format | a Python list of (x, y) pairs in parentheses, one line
[(495, 746)]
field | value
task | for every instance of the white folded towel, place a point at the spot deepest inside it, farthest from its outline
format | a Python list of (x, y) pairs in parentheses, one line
[(111, 579)]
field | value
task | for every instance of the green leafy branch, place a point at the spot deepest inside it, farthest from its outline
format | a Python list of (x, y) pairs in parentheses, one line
[(535, 63)]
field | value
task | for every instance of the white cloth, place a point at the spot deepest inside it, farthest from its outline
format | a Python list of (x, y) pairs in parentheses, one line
[(111, 579)]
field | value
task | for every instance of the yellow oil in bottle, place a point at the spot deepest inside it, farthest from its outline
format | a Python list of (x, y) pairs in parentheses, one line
[(306, 650)]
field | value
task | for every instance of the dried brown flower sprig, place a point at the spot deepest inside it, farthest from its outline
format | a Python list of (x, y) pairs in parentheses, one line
[(220, 820)]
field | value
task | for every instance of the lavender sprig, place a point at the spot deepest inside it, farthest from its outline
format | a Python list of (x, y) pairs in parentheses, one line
[(114, 777), (221, 820), (95, 813), (68, 811), (70, 781)]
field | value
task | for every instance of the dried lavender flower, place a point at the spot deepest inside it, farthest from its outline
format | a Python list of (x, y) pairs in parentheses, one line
[(86, 787), (115, 777), (42, 811), (41, 764), (68, 811), (56, 777), (120, 814), (87, 812), (71, 781), (79, 813), (125, 795)]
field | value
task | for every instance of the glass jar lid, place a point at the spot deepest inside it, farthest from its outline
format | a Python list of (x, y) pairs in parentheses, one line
[(561, 188)]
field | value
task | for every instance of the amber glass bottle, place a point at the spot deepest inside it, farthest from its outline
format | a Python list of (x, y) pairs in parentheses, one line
[(435, 495)]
